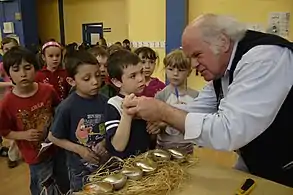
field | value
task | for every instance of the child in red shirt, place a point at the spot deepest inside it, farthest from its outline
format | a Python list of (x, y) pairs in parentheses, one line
[(26, 114), (52, 71), (148, 58), (5, 86)]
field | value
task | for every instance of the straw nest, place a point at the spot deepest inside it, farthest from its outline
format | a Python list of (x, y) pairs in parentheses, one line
[(169, 176)]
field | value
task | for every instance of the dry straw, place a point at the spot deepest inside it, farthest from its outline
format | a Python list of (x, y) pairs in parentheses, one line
[(169, 176)]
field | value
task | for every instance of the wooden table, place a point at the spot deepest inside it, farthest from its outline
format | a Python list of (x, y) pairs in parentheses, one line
[(211, 179)]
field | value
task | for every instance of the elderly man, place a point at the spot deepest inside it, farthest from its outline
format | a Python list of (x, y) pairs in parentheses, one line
[(247, 104)]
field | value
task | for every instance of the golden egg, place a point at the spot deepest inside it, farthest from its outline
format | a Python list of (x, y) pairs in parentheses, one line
[(117, 180), (146, 165), (98, 187), (133, 173), (176, 154), (160, 155)]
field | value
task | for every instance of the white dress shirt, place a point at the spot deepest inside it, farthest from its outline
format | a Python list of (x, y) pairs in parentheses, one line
[(262, 80)]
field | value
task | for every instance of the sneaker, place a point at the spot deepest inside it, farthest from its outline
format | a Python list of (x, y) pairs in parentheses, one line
[(4, 151), (12, 164)]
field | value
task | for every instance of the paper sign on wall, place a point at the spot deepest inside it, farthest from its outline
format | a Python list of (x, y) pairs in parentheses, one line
[(134, 44), (8, 27), (157, 44), (152, 44), (279, 23), (95, 37)]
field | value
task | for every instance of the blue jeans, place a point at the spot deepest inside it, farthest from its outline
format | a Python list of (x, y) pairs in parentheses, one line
[(51, 173), (41, 173), (76, 179)]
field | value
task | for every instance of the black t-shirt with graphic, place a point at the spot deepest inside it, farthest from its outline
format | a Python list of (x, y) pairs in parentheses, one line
[(90, 114)]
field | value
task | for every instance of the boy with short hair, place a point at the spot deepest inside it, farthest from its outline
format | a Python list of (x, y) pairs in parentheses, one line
[(78, 125), (102, 56), (126, 135), (25, 115), (5, 86), (8, 43)]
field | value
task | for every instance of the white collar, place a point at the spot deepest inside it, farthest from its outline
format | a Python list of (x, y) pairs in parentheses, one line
[(231, 57)]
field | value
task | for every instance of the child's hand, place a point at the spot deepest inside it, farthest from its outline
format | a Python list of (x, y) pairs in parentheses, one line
[(100, 149), (126, 102), (163, 125), (153, 127), (88, 155), (33, 135)]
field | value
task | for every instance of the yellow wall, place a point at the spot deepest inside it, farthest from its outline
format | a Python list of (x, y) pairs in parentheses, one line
[(258, 13), (111, 12), (146, 22), (258, 9), (127, 18), (48, 19)]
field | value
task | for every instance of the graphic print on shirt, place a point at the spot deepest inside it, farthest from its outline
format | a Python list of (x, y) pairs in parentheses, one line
[(91, 130), (60, 81), (38, 116)]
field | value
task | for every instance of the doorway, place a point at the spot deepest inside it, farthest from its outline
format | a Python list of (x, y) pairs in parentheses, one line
[(92, 32)]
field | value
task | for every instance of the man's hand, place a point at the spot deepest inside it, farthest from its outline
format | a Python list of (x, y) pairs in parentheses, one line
[(146, 108), (153, 127), (88, 155), (33, 135)]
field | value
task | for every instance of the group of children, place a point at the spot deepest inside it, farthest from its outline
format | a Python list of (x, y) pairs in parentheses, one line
[(79, 109)]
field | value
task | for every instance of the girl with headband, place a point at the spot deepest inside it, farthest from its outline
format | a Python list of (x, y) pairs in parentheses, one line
[(52, 71)]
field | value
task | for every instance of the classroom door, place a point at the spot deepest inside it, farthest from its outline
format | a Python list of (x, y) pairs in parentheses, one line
[(92, 32)]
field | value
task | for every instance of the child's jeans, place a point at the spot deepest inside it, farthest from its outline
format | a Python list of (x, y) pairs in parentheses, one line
[(76, 179), (51, 174), (41, 173)]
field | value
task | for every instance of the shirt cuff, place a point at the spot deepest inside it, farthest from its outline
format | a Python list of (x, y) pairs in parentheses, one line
[(193, 125)]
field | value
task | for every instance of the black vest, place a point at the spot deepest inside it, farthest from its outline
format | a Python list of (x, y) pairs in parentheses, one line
[(266, 155)]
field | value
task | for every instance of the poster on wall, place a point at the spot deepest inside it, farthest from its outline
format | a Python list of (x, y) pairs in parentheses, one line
[(279, 24), (95, 37), (8, 27)]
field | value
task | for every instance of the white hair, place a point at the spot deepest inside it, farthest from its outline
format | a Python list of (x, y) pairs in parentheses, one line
[(212, 26), (215, 49)]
